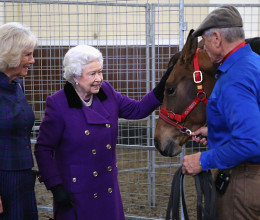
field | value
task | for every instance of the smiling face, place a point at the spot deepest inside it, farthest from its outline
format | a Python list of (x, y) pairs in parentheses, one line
[(90, 80), (22, 69)]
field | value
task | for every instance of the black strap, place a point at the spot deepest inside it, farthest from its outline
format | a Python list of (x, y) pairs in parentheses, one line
[(206, 194), (74, 209), (183, 198), (173, 204)]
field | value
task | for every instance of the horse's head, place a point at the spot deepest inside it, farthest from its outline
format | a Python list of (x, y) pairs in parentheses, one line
[(179, 114)]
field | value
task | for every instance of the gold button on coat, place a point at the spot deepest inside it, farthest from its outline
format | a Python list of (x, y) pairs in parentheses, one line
[(109, 168), (95, 173), (110, 190), (108, 125), (74, 180), (108, 146), (94, 151), (87, 132), (95, 195)]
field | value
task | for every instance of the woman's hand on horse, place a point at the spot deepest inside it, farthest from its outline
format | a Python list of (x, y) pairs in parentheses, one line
[(191, 164), (200, 135)]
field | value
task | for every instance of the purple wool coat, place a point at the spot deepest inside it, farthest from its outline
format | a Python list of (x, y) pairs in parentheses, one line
[(76, 147)]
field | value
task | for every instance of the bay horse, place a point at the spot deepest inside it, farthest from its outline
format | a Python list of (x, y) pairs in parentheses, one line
[(190, 83)]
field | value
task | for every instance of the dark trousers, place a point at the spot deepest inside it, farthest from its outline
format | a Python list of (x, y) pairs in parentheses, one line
[(241, 200)]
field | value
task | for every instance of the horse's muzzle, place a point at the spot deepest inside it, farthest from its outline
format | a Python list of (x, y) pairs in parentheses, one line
[(168, 151)]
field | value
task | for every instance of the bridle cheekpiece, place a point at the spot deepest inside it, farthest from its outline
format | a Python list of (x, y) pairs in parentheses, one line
[(175, 119)]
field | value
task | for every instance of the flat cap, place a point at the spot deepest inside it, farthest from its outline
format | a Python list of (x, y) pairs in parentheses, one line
[(222, 17)]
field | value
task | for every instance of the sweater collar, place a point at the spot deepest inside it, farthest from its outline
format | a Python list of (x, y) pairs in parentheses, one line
[(233, 50), (243, 51)]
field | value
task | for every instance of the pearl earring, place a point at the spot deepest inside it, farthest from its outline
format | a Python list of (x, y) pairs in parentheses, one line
[(77, 83)]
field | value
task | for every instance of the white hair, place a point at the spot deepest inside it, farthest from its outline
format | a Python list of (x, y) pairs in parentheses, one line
[(76, 60), (15, 38), (230, 34)]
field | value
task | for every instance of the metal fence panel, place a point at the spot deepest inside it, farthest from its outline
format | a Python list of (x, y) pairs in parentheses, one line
[(137, 41)]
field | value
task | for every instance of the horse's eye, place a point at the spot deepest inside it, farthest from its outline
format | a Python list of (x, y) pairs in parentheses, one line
[(170, 91)]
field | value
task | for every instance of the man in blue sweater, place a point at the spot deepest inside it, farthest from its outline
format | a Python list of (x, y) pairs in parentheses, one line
[(233, 117)]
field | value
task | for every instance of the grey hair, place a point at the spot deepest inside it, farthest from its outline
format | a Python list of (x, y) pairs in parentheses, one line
[(15, 38), (230, 34), (76, 60)]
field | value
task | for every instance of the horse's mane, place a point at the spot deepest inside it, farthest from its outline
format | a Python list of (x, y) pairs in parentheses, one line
[(255, 44), (174, 59)]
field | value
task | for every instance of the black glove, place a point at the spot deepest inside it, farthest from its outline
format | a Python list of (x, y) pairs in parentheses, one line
[(61, 196), (159, 89)]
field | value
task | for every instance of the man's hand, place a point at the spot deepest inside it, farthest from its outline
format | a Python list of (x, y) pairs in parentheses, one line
[(200, 135), (191, 164)]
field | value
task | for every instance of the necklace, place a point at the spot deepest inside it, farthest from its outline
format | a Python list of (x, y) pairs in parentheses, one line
[(89, 103)]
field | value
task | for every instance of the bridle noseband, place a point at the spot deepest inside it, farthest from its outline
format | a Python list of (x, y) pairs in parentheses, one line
[(173, 118)]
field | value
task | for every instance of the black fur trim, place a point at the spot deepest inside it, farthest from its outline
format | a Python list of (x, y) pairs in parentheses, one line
[(73, 99), (101, 95), (72, 96)]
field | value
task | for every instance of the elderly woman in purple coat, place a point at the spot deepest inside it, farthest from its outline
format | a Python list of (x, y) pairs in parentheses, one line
[(76, 145)]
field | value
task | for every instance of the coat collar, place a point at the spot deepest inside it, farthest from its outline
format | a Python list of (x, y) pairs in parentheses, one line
[(93, 117), (5, 79), (73, 98), (4, 83), (241, 52)]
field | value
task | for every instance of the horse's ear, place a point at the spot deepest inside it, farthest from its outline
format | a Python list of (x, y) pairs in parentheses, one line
[(190, 33), (189, 50)]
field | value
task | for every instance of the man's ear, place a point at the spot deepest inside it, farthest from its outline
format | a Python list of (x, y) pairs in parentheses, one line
[(217, 38)]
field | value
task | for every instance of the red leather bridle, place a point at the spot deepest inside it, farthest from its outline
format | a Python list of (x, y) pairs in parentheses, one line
[(173, 118)]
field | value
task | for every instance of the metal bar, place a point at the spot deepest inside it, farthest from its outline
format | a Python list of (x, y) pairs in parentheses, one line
[(206, 5), (181, 24), (121, 4), (147, 168), (128, 217), (45, 208), (151, 160), (122, 146), (148, 42), (74, 3)]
